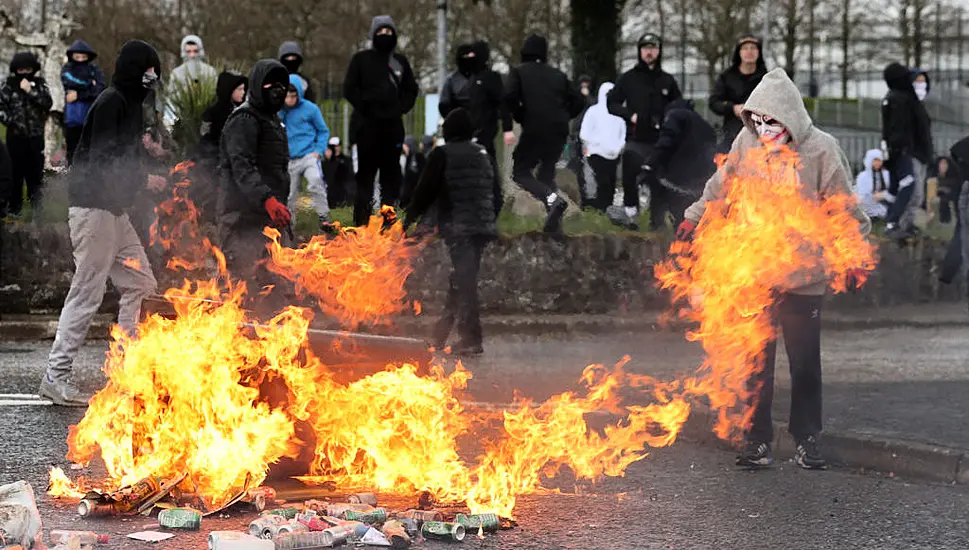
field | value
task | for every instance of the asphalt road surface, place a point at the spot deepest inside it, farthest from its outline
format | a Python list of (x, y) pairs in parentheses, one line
[(686, 496)]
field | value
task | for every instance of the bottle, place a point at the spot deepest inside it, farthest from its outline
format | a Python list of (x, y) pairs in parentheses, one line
[(234, 540), (87, 538)]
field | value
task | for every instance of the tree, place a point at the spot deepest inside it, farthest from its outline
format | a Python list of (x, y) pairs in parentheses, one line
[(595, 38), (718, 23)]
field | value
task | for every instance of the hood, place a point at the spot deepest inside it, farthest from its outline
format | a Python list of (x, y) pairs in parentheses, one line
[(458, 126), (745, 38), (679, 104), (777, 97), (296, 81), (427, 143), (604, 90), (466, 65), (650, 38), (264, 71), (193, 38), (898, 77), (24, 60), (870, 157), (80, 46), (379, 22), (290, 47), (482, 52), (928, 81), (227, 82), (411, 143), (535, 49), (133, 60), (960, 154)]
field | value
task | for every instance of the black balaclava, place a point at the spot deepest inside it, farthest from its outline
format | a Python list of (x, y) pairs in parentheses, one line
[(482, 53), (271, 100), (131, 68), (535, 49), (287, 49), (466, 65), (899, 78), (384, 43), (23, 60), (458, 126)]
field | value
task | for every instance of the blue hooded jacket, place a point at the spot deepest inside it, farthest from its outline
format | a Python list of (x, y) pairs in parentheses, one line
[(84, 78), (305, 127)]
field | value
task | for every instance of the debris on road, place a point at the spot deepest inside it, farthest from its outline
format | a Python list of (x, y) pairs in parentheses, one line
[(19, 519), (363, 498), (180, 518), (84, 538), (439, 530), (150, 536), (235, 540)]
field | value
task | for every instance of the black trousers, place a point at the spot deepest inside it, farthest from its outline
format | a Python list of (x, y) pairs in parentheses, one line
[(73, 136), (378, 149), (27, 166), (462, 298), (799, 318), (541, 152), (633, 158), (605, 173)]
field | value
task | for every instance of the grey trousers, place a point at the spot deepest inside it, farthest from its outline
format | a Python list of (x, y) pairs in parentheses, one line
[(105, 246), (308, 167)]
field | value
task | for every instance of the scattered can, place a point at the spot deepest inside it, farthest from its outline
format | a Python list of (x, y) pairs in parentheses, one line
[(91, 508), (288, 513), (377, 515), (127, 499), (421, 516), (234, 540), (261, 524), (411, 526), (273, 532), (298, 541), (338, 535), (363, 498), (488, 523), (340, 509), (268, 493), (180, 518), (439, 530), (312, 522)]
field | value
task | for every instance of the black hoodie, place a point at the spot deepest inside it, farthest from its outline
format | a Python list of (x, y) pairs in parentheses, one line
[(904, 129), (686, 146), (254, 154), (644, 92), (109, 165), (24, 113), (457, 88), (214, 117), (380, 87), (734, 87), (540, 97)]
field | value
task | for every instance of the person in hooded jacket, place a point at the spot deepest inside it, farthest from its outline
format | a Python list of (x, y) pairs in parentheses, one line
[(734, 86), (907, 142), (338, 174), (774, 116), (543, 101), (230, 93), (309, 136), (951, 184), (487, 99), (109, 171), (959, 153), (603, 136), (193, 69), (380, 85), (413, 160), (640, 97), (82, 81), (871, 186), (254, 164), (291, 56), (25, 103), (457, 88), (462, 179), (683, 157)]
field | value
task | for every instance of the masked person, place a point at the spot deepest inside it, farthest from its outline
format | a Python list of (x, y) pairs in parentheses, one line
[(109, 171), (82, 81), (380, 85), (774, 115), (603, 136), (25, 102), (457, 88), (462, 180), (308, 137), (734, 86), (543, 101), (871, 186), (254, 163), (640, 97), (291, 56)]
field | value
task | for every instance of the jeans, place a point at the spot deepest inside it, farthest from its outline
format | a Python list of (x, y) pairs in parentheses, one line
[(462, 298)]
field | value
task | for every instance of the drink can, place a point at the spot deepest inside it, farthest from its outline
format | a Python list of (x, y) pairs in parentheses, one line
[(180, 518), (363, 498), (377, 515), (411, 526), (288, 513), (312, 522), (298, 541), (92, 508), (488, 523), (421, 515), (273, 532), (127, 499), (268, 493), (234, 540), (339, 534), (261, 524), (439, 530), (340, 509)]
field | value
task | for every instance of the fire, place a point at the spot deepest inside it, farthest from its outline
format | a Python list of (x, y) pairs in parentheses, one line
[(176, 227), (61, 486), (133, 263), (762, 237)]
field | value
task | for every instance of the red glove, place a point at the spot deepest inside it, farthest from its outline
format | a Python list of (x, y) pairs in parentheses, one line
[(685, 231), (854, 278), (278, 213)]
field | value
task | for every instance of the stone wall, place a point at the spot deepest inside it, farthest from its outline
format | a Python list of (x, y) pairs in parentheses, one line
[(527, 274)]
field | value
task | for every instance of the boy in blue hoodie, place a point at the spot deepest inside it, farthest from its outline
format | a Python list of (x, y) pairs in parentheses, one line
[(308, 137), (83, 81)]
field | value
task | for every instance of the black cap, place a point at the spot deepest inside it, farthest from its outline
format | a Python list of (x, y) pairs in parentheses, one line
[(649, 38)]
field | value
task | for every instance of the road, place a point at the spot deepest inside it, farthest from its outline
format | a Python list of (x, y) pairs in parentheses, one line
[(686, 496)]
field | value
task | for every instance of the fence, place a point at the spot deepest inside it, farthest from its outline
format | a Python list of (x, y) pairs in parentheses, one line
[(337, 112)]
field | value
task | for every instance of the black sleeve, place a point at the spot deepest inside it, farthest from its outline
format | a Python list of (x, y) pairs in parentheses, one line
[(408, 88), (496, 186), (240, 139), (576, 102), (309, 94), (719, 103), (118, 154), (429, 186), (6, 177), (675, 92), (615, 102), (445, 105), (352, 90), (40, 96), (675, 128), (495, 90), (895, 130), (513, 96)]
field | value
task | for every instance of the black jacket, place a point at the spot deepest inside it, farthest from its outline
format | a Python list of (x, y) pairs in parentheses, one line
[(457, 88), (6, 178), (905, 123), (109, 165), (254, 156), (646, 93), (380, 89), (24, 113), (462, 178), (338, 174), (214, 117), (540, 97), (414, 163), (733, 88), (485, 98), (292, 48), (686, 146)]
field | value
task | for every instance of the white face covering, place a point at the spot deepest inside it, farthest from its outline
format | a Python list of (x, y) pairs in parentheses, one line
[(921, 89), (770, 130)]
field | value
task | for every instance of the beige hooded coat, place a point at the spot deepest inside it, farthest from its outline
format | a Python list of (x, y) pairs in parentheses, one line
[(824, 169)]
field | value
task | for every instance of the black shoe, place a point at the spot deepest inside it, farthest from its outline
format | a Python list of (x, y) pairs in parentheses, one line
[(553, 223), (755, 455), (464, 350), (807, 454)]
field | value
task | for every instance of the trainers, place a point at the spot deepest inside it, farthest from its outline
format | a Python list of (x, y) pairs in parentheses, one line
[(62, 392), (617, 215), (807, 454), (755, 455), (553, 224)]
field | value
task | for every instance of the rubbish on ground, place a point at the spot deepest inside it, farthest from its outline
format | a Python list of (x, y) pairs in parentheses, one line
[(340, 509), (234, 540), (374, 537), (150, 536), (410, 526), (298, 541), (377, 515), (396, 533), (421, 515), (275, 531), (180, 518), (312, 522), (363, 498), (259, 526), (439, 530), (259, 497), (86, 538), (94, 507), (338, 534), (209, 510), (19, 519), (143, 495), (489, 523), (288, 513)]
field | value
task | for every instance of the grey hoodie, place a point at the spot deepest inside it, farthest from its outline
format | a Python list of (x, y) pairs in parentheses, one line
[(380, 21), (824, 169), (195, 69)]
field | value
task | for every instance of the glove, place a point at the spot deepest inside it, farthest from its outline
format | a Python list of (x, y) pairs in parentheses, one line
[(685, 231), (854, 278), (278, 213)]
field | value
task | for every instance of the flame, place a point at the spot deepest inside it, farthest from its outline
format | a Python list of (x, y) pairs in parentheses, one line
[(176, 228), (133, 263), (61, 486), (418, 307)]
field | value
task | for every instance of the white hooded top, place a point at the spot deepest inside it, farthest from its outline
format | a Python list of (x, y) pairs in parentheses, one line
[(602, 133), (865, 187)]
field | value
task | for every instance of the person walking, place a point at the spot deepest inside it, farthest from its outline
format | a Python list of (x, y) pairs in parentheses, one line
[(25, 103), (309, 137), (291, 56), (83, 82), (734, 86), (603, 136)]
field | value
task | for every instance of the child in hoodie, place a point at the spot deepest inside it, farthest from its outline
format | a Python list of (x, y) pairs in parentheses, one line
[(308, 137), (871, 186), (603, 136), (83, 81)]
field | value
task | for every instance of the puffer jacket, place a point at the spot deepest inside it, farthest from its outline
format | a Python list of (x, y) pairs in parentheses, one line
[(24, 113)]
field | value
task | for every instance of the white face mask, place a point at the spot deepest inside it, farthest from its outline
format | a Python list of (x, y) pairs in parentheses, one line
[(921, 89), (770, 130)]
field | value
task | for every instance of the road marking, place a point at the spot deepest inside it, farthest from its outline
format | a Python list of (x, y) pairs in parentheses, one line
[(20, 396), (25, 403)]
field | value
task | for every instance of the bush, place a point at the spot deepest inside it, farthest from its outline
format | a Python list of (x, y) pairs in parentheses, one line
[(188, 102)]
